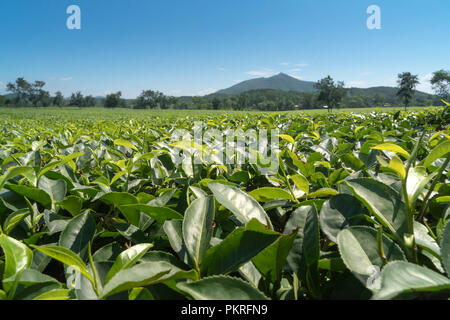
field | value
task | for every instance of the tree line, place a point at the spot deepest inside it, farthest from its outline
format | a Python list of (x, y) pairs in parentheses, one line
[(329, 93)]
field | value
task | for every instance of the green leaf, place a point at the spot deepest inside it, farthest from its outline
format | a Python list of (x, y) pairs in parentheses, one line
[(271, 260), (56, 189), (125, 143), (424, 240), (67, 257), (393, 148), (359, 250), (445, 248), (397, 166), (352, 162), (78, 233), (18, 257), (237, 248), (403, 277), (321, 193), (72, 204), (13, 172), (305, 251), (287, 137), (63, 161), (197, 227), (440, 151), (128, 258), (221, 288), (173, 230), (160, 214), (383, 202), (140, 294), (13, 219), (32, 193), (244, 207), (416, 182), (120, 199), (58, 294), (301, 182), (339, 213), (267, 194), (140, 275)]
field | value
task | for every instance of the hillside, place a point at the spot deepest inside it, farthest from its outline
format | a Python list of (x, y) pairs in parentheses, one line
[(281, 81)]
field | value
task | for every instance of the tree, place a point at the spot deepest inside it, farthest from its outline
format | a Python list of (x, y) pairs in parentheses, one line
[(89, 101), (407, 84), (58, 99), (149, 99), (38, 96), (114, 100), (330, 93), (441, 84), (76, 99), (21, 90), (216, 104), (2, 100)]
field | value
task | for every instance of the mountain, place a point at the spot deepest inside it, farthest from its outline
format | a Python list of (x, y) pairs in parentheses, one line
[(284, 82), (384, 92), (280, 81)]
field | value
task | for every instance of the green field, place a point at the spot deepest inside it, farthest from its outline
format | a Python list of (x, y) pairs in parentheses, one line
[(130, 205), (109, 114)]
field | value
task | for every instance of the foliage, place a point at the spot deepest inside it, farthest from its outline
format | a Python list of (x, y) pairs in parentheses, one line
[(441, 84), (330, 93), (407, 82), (99, 209), (114, 100)]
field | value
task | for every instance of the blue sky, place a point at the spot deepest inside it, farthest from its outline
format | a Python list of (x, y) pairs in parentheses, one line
[(196, 47)]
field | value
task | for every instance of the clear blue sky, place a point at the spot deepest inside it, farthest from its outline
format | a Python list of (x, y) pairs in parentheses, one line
[(195, 47)]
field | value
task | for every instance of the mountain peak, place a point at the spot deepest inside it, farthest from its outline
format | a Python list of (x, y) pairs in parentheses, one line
[(280, 81)]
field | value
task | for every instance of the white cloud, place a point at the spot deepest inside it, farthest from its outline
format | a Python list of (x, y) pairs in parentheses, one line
[(425, 84), (297, 77), (356, 83), (2, 85), (237, 81), (285, 63), (261, 73), (176, 92), (221, 69), (65, 79), (205, 92), (295, 70), (302, 64)]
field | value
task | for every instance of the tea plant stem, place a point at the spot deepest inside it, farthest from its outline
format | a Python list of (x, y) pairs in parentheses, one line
[(94, 271), (427, 198)]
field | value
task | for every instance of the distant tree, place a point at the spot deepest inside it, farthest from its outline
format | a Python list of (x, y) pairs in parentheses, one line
[(114, 100), (330, 93), (2, 100), (38, 96), (150, 99), (216, 104), (76, 99), (21, 90), (58, 99), (441, 84), (89, 101), (407, 84)]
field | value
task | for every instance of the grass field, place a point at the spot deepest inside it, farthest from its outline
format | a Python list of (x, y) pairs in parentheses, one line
[(110, 114)]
